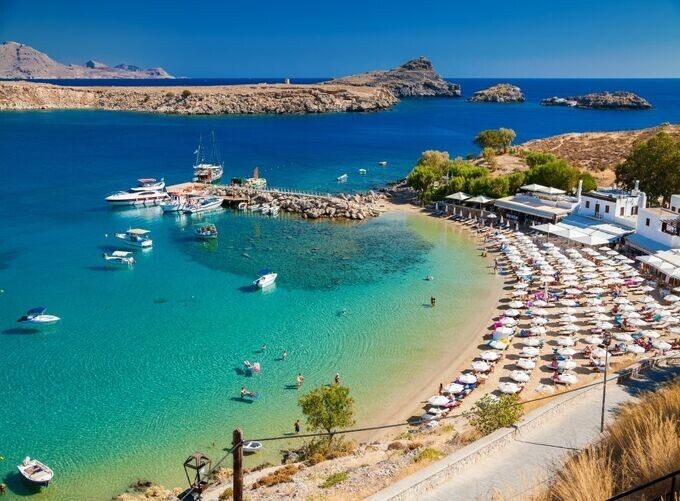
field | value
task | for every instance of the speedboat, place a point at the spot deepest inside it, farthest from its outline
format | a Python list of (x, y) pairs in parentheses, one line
[(176, 203), (362, 171), (37, 316), (342, 179), (149, 184), (203, 204), (252, 446), (136, 237), (274, 210), (242, 206), (119, 257), (265, 279), (148, 197), (206, 232), (255, 208), (382, 163), (35, 472)]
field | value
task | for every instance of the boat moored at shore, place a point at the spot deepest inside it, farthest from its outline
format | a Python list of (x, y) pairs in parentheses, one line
[(176, 203), (206, 232), (149, 184), (35, 473), (136, 237), (137, 198), (207, 171), (203, 204)]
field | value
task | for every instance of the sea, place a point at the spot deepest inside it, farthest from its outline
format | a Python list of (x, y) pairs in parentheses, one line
[(146, 364)]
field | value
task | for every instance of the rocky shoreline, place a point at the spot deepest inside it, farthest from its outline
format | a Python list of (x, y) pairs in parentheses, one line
[(619, 100), (499, 93), (209, 100), (355, 207)]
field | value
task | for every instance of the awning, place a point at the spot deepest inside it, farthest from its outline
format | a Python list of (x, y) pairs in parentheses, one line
[(480, 199), (645, 244), (539, 188), (459, 196)]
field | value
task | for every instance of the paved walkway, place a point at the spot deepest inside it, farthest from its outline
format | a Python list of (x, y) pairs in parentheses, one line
[(513, 470)]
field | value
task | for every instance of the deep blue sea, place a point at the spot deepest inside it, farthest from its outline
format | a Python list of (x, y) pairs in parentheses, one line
[(145, 364)]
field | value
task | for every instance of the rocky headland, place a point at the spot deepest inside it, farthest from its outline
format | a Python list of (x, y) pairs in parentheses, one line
[(22, 61), (619, 100), (415, 78), (499, 93), (209, 100)]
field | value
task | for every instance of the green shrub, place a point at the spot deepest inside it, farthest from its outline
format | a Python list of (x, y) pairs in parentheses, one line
[(226, 494), (186, 93), (489, 414), (334, 479), (428, 454)]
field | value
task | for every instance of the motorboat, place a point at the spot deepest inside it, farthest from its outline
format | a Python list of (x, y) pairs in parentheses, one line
[(342, 178), (207, 171), (119, 257), (203, 204), (274, 210), (206, 231), (35, 472), (252, 446), (266, 279), (255, 208), (242, 205), (37, 316), (176, 203), (149, 184), (382, 163), (136, 237), (362, 171), (147, 197)]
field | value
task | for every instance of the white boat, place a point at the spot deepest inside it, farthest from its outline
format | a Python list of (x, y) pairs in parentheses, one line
[(149, 184), (148, 197), (274, 210), (243, 206), (382, 163), (207, 171), (35, 472), (206, 232), (37, 316), (265, 279), (362, 171), (252, 446), (120, 257), (136, 237), (176, 203), (255, 208), (203, 204), (342, 179)]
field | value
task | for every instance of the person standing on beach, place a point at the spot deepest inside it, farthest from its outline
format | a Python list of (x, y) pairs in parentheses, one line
[(300, 379), (337, 378), (495, 264), (297, 426), (441, 388)]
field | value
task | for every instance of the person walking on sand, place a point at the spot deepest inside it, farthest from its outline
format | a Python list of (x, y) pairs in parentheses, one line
[(495, 264), (300, 379), (441, 388), (337, 378), (297, 426)]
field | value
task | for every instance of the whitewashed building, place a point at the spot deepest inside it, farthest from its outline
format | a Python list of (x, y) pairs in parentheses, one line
[(611, 205), (657, 228)]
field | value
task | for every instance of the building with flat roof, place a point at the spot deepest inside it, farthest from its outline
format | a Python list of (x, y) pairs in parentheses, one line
[(657, 228), (612, 205), (535, 204)]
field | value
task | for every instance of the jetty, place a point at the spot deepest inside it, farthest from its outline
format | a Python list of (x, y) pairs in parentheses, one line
[(307, 204)]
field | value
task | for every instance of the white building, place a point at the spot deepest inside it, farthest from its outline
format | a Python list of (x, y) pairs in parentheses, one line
[(657, 228), (612, 205)]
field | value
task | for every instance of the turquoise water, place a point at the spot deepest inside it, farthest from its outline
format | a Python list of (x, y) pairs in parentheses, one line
[(145, 365)]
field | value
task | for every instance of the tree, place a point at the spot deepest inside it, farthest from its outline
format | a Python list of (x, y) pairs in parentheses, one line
[(186, 93), (656, 164), (422, 178), (438, 161), (506, 136), (490, 138), (328, 409), (534, 158), (499, 187), (490, 414), (515, 181), (490, 157)]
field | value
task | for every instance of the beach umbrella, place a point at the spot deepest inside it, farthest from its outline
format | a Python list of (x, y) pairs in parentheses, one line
[(598, 353), (601, 316), (595, 301), (467, 378), (568, 302), (512, 313), (521, 285), (651, 334), (532, 341), (671, 298), (565, 341), (570, 328), (621, 300), (634, 348), (623, 336), (438, 401), (564, 365), (571, 283), (546, 279), (516, 304), (508, 388), (502, 332), (530, 351), (626, 308), (526, 364), (480, 366), (604, 325), (647, 300), (660, 344), (490, 355), (537, 330), (566, 352), (519, 293), (539, 321), (567, 378), (637, 322), (593, 340), (588, 276), (567, 319), (508, 322), (519, 376), (428, 417), (597, 309), (454, 388), (597, 290), (674, 330), (541, 312), (497, 344)]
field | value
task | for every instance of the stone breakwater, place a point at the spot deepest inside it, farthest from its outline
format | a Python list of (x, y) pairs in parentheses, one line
[(208, 100), (338, 206)]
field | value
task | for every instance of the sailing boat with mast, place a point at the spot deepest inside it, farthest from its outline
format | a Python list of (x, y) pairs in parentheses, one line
[(207, 172)]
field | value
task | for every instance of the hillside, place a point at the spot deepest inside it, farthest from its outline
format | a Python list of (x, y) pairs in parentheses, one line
[(21, 61)]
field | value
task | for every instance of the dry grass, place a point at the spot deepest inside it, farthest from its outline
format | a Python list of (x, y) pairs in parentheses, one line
[(641, 445)]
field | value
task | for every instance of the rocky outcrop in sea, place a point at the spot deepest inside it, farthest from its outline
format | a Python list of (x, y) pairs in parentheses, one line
[(619, 100), (416, 78), (211, 100), (499, 93), (22, 61)]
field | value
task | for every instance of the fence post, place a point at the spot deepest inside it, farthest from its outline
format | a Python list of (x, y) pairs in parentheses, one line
[(237, 443)]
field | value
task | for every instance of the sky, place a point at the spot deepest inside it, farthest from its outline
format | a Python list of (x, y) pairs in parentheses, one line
[(300, 38)]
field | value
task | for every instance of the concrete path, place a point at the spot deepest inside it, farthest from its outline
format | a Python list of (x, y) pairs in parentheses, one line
[(514, 469)]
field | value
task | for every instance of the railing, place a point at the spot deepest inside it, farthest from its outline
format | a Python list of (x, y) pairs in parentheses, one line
[(665, 495)]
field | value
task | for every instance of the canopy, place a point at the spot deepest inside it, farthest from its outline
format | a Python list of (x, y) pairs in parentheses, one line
[(137, 231), (539, 188), (39, 310), (460, 196), (480, 199)]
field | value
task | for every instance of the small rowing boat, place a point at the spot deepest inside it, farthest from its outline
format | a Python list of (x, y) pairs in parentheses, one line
[(35, 472)]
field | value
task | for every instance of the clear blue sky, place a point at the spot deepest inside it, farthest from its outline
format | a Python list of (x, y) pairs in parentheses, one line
[(300, 38)]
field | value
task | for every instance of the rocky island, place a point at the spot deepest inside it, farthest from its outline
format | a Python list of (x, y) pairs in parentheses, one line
[(22, 61), (619, 100), (499, 93), (415, 78), (208, 100)]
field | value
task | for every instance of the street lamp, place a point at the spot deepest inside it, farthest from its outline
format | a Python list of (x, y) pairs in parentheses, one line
[(606, 342)]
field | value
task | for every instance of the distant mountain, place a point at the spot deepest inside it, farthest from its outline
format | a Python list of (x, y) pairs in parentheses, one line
[(414, 78), (21, 61)]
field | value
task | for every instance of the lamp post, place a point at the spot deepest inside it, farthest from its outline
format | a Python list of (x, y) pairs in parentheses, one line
[(606, 341)]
